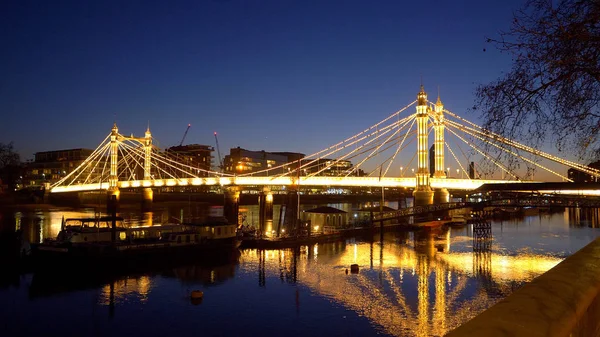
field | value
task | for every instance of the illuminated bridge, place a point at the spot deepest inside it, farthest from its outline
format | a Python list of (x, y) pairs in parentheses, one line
[(382, 155)]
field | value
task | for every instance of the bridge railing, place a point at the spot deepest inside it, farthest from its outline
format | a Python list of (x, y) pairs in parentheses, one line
[(497, 201)]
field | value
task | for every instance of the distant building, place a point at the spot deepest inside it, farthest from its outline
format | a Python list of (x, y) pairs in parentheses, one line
[(330, 167), (581, 177), (197, 157), (50, 166), (241, 161)]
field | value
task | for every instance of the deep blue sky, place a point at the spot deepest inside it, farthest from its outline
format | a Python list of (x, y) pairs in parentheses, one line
[(275, 75)]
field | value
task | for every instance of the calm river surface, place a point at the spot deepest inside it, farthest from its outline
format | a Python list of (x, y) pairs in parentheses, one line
[(414, 284)]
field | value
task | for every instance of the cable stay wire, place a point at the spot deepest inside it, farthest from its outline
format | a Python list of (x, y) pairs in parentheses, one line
[(458, 127), (476, 148), (348, 141), (497, 137)]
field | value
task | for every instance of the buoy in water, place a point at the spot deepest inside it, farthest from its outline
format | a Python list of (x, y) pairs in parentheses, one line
[(354, 269), (196, 294)]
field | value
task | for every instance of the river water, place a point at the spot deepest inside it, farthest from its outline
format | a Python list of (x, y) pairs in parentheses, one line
[(422, 283)]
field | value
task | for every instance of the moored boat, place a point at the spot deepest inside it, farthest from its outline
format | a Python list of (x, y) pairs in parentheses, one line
[(84, 240)]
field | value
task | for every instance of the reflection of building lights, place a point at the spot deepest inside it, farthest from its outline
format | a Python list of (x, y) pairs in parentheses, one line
[(316, 228)]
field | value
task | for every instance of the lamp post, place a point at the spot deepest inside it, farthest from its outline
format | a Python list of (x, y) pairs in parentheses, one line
[(448, 170), (401, 173), (457, 173)]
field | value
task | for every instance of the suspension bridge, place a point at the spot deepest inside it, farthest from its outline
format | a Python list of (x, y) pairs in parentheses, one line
[(380, 154)]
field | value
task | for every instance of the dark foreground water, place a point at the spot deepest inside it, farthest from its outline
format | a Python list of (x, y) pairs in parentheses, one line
[(414, 284)]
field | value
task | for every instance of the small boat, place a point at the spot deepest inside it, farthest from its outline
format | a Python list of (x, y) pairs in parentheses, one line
[(457, 220)]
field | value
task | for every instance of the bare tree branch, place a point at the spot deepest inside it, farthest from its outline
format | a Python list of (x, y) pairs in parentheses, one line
[(553, 88)]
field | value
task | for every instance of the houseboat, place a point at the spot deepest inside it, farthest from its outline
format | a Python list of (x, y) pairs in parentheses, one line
[(97, 240)]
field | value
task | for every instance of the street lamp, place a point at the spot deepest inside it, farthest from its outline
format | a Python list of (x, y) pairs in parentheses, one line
[(413, 170), (401, 173), (456, 173), (448, 172)]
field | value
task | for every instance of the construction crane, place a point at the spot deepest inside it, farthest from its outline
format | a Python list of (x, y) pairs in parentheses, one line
[(218, 152), (185, 134)]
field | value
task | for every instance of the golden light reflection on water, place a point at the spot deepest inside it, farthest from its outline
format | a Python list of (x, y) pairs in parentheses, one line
[(121, 290), (392, 275)]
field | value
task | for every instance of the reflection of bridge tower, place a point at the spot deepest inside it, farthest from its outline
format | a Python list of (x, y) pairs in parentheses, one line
[(422, 194), (441, 195)]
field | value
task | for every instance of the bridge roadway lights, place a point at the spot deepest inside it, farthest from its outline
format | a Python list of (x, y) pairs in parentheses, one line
[(265, 209), (232, 204), (441, 196)]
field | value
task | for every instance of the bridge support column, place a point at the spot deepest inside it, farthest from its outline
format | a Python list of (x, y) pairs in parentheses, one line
[(265, 210), (232, 204), (112, 200), (423, 195), (147, 198), (441, 195), (290, 223)]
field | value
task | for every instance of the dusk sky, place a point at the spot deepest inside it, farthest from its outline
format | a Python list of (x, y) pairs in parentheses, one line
[(266, 75)]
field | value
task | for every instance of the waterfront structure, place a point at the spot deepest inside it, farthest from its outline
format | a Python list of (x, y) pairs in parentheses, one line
[(325, 219), (241, 161), (50, 166)]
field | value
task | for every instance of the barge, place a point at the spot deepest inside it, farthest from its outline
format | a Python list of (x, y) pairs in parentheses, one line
[(97, 241)]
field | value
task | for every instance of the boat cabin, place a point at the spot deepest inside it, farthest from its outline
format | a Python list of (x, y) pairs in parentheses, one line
[(77, 230)]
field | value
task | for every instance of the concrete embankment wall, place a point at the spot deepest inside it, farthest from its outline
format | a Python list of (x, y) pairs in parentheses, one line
[(565, 301)]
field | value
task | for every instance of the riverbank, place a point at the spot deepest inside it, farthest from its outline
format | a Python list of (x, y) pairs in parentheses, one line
[(130, 200)]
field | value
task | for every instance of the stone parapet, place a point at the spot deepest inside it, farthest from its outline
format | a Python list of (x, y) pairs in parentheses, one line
[(564, 301)]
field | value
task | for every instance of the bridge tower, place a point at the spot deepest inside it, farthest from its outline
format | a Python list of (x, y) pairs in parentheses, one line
[(148, 195), (441, 195), (113, 188), (423, 194)]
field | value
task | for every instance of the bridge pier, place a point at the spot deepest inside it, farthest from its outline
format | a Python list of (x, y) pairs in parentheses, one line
[(290, 222), (147, 198), (423, 198), (265, 211), (441, 195), (232, 204), (112, 201)]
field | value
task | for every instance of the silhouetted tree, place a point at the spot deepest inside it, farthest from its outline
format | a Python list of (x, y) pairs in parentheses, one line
[(553, 87), (10, 165)]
